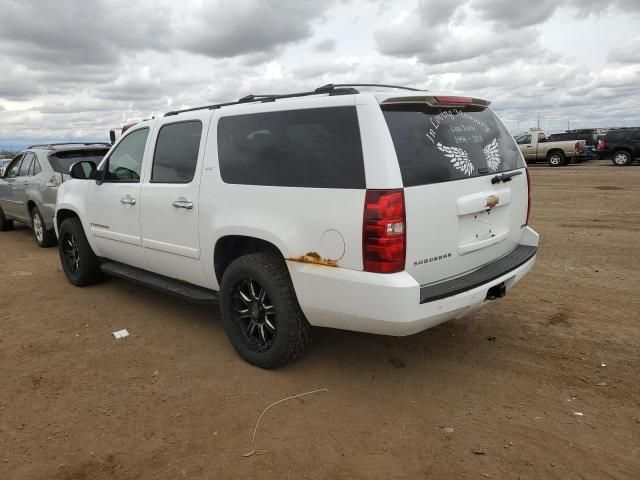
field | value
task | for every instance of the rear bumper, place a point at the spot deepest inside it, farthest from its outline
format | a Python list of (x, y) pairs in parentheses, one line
[(393, 304)]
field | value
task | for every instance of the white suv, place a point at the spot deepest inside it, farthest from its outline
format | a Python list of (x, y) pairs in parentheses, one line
[(376, 209)]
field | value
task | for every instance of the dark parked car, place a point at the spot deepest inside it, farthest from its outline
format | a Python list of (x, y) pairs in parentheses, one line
[(621, 146)]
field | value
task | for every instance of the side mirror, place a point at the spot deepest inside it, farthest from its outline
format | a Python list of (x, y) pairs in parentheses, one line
[(112, 136), (85, 170)]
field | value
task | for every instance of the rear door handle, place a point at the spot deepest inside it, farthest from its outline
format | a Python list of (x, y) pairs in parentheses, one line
[(128, 200), (183, 203)]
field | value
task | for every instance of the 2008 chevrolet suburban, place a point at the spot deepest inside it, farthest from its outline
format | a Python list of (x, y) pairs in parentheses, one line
[(382, 210)]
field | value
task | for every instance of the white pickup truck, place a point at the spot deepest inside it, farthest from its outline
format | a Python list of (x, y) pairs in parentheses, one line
[(535, 147), (386, 211)]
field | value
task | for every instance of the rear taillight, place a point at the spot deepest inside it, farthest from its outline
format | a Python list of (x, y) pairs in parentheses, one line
[(578, 147), (526, 222), (602, 144), (384, 231), (448, 100), (55, 181)]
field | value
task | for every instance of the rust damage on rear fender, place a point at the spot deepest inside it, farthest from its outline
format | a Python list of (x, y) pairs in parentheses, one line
[(314, 258)]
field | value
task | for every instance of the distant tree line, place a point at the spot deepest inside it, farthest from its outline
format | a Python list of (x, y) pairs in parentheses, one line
[(7, 153)]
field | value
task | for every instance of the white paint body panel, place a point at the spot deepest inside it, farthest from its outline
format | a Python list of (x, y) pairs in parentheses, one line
[(441, 218)]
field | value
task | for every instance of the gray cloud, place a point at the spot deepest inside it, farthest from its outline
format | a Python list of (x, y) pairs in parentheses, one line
[(228, 28), (327, 45), (90, 32), (626, 53), (516, 13)]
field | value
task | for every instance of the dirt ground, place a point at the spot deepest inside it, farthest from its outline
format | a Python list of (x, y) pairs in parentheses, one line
[(494, 396)]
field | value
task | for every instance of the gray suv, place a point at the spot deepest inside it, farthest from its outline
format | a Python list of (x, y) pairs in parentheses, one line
[(29, 184)]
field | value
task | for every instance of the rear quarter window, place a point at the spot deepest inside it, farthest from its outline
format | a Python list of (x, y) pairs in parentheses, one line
[(317, 148), (436, 145), (62, 161)]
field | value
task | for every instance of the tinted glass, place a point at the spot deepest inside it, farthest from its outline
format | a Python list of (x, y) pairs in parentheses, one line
[(125, 161), (34, 169), (523, 140), (623, 135), (317, 147), (61, 162), (26, 163), (14, 168), (176, 154), (439, 145)]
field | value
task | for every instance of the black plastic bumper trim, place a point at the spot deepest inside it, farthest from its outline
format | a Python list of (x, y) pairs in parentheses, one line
[(486, 273)]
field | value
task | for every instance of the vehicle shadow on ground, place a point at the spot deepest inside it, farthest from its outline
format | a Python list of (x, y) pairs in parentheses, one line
[(337, 350)]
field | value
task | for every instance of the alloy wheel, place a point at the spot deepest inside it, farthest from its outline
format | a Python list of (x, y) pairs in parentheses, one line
[(255, 315), (555, 160), (70, 252), (620, 159), (38, 228)]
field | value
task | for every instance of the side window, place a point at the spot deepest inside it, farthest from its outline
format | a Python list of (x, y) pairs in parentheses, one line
[(316, 148), (542, 137), (14, 167), (34, 169), (176, 153), (26, 164), (125, 161), (524, 140)]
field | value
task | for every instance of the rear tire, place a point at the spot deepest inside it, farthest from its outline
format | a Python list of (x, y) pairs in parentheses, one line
[(5, 225), (622, 158), (260, 312), (44, 238), (80, 264), (556, 159)]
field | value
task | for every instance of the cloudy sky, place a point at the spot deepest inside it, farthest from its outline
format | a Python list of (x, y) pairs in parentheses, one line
[(73, 69)]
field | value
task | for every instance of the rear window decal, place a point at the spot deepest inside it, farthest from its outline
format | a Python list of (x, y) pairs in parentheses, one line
[(458, 157), (435, 145), (492, 154)]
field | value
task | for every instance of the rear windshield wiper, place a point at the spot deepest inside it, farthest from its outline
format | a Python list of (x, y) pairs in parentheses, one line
[(505, 177)]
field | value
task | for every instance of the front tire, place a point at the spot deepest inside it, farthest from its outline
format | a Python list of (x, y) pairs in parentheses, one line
[(260, 312), (622, 158), (44, 238), (5, 225), (556, 159), (80, 264)]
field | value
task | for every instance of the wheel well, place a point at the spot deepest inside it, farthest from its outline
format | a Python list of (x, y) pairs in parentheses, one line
[(555, 150), (62, 215), (31, 205), (234, 246)]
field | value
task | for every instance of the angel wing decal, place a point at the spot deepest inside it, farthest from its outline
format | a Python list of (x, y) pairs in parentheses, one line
[(458, 157), (492, 154)]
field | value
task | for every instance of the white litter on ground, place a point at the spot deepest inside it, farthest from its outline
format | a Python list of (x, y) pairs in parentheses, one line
[(578, 414), (121, 333)]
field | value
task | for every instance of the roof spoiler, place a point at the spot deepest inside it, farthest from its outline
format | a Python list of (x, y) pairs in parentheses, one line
[(438, 101)]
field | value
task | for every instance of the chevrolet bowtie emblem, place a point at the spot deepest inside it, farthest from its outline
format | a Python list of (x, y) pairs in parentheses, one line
[(492, 201)]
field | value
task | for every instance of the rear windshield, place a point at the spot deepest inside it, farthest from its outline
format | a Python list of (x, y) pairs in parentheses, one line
[(61, 161), (317, 148), (436, 145)]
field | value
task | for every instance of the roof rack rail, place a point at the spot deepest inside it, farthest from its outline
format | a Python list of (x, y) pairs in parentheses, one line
[(50, 145), (330, 88)]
